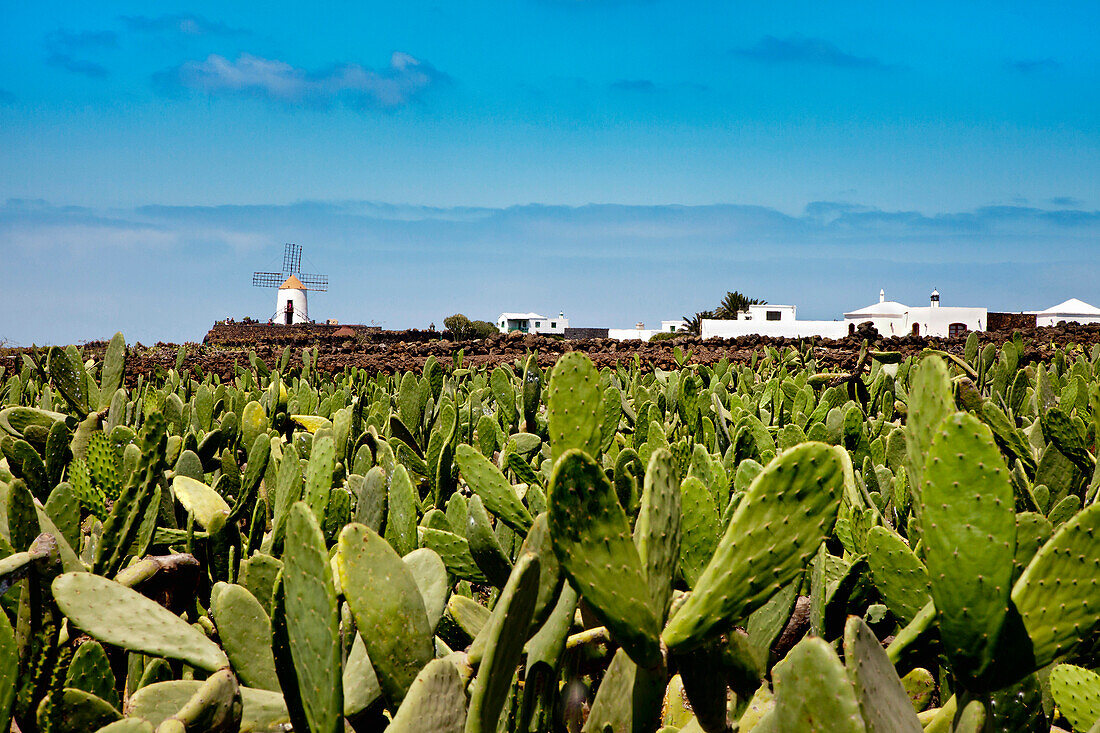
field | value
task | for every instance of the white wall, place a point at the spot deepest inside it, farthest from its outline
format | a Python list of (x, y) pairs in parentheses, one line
[(760, 313), (295, 296), (776, 329), (885, 325), (1054, 320), (937, 321), (554, 324), (625, 334)]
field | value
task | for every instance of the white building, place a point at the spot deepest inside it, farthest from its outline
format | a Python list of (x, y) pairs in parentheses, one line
[(531, 323), (778, 321), (290, 302), (891, 318), (1071, 311), (642, 333)]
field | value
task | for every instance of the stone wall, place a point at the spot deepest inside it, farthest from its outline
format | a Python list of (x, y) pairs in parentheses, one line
[(586, 333), (1009, 321)]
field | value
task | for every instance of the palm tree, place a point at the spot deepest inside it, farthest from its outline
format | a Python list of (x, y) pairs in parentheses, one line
[(694, 324), (734, 303)]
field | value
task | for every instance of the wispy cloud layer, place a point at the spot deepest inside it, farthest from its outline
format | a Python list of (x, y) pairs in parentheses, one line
[(405, 79), (187, 24), (69, 51), (172, 270), (804, 50)]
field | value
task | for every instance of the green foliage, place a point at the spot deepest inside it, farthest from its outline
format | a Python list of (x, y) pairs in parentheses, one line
[(475, 548)]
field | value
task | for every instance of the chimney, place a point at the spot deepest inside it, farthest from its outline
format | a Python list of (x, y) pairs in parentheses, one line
[(640, 326), (935, 298), (882, 295)]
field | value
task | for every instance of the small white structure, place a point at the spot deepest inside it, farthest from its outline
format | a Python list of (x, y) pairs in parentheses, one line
[(531, 323), (778, 321), (641, 333), (891, 318), (290, 302), (1071, 311)]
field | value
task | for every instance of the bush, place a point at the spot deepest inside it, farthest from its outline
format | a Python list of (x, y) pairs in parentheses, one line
[(457, 324), (482, 329), (667, 336)]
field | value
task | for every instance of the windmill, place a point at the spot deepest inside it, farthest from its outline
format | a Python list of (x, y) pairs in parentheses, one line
[(292, 284)]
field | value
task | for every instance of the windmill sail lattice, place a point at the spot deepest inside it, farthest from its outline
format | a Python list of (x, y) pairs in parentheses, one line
[(291, 284), (292, 265)]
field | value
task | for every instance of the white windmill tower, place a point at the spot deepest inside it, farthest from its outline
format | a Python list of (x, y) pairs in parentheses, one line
[(291, 284)]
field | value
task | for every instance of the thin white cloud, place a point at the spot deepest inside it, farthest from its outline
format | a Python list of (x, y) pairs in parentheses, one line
[(403, 80), (188, 24)]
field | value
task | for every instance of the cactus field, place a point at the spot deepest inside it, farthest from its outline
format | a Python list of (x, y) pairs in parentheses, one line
[(904, 541)]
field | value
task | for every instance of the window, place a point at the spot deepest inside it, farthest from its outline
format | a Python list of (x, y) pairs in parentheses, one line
[(956, 329), (538, 324), (672, 329), (773, 316), (553, 324)]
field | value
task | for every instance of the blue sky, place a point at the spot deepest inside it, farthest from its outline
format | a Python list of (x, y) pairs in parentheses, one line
[(621, 160)]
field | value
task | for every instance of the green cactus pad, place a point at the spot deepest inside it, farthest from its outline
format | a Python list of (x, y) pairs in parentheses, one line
[(318, 482), (128, 725), (627, 700), (245, 632), (930, 401), (455, 551), (882, 697), (812, 691), (394, 625), (114, 614), (919, 686), (657, 532), (436, 702), (489, 483), (700, 529), (261, 711), (470, 615), (209, 508), (430, 574), (312, 621), (898, 574), (1032, 532), (504, 636), (90, 670), (774, 533), (593, 542), (538, 543), (216, 707), (1057, 596), (401, 518), (77, 711), (574, 408), (484, 545), (969, 528), (1077, 692), (359, 681)]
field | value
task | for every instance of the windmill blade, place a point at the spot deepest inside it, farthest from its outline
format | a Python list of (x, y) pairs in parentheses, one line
[(268, 279), (292, 258), (314, 282)]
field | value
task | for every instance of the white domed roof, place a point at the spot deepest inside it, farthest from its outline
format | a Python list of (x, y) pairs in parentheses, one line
[(887, 308), (1072, 307)]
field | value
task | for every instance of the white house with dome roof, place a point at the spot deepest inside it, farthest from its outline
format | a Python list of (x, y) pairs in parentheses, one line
[(891, 318), (1071, 311)]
